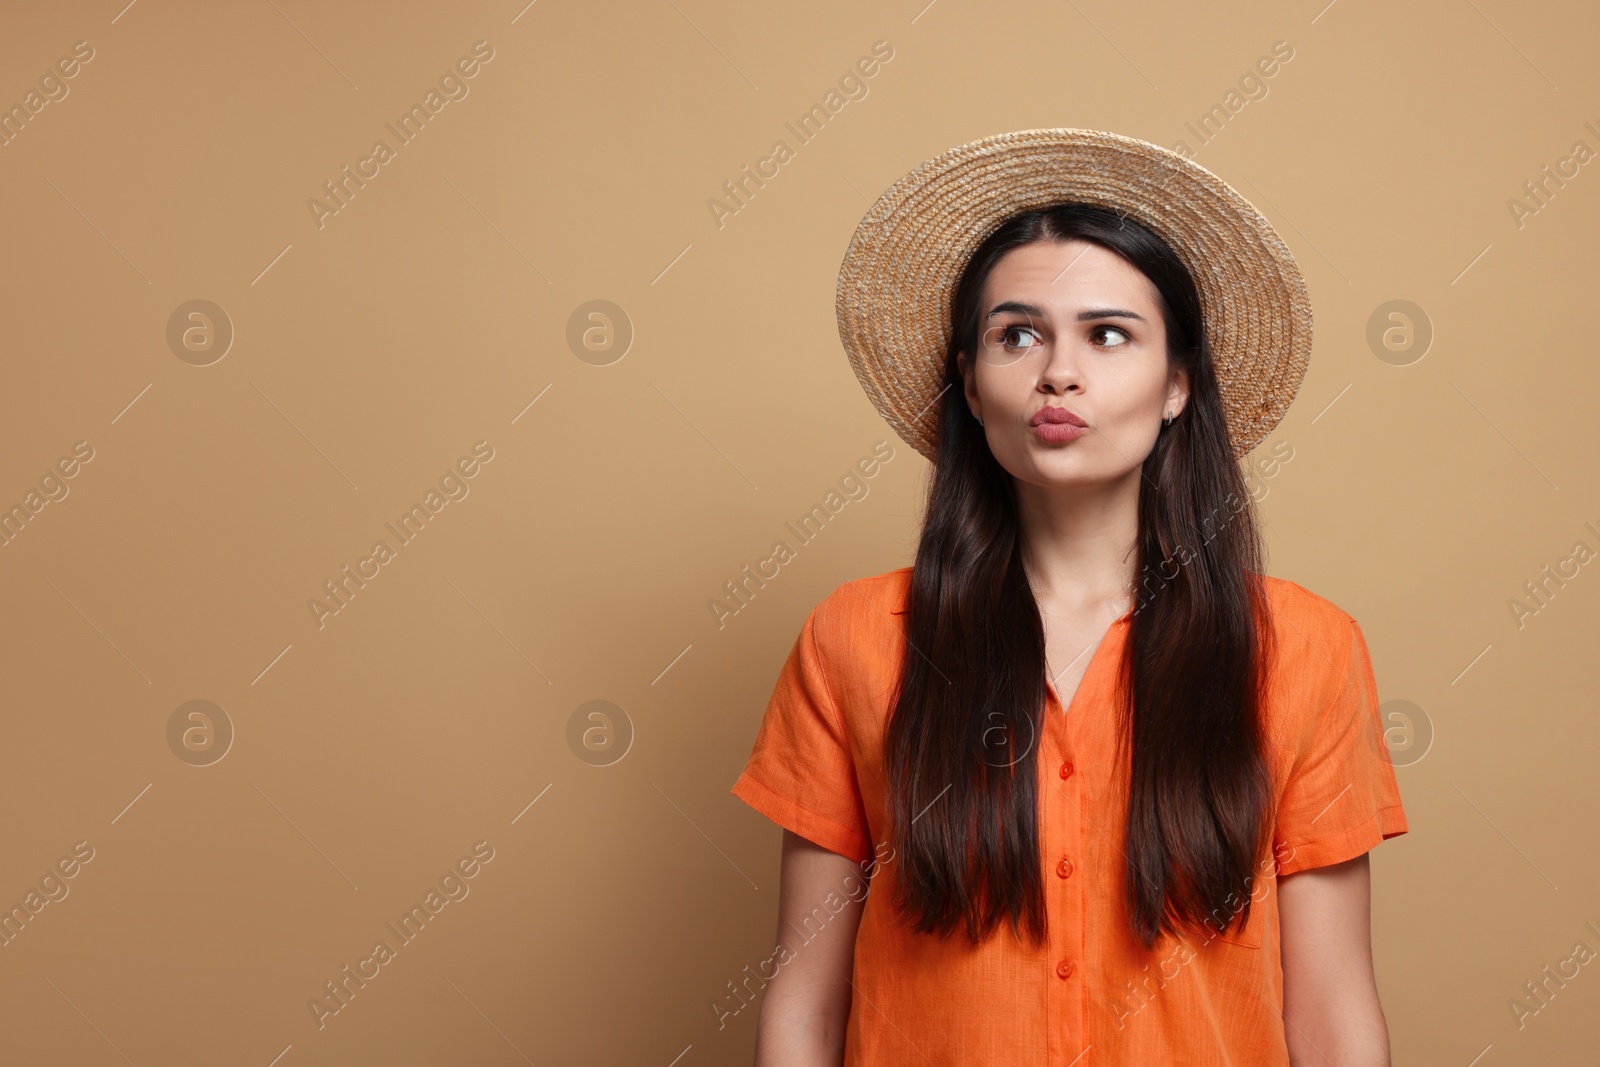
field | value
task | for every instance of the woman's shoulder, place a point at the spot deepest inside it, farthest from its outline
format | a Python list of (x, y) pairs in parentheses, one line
[(1297, 606), (1316, 639), (880, 594), (858, 623)]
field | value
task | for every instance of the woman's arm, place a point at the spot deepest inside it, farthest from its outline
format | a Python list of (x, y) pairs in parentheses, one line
[(806, 1007), (1331, 1013)]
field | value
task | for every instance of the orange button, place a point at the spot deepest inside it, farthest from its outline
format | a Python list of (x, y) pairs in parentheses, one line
[(1064, 969), (1066, 769), (1064, 868)]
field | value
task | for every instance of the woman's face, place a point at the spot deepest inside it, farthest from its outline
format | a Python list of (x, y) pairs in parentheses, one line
[(1074, 328)]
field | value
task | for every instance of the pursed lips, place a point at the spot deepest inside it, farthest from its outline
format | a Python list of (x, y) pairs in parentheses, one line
[(1051, 413)]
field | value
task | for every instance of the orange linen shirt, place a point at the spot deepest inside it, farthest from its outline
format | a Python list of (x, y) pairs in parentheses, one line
[(1093, 994)]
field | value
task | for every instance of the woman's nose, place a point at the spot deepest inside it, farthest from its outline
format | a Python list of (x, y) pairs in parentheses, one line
[(1060, 370)]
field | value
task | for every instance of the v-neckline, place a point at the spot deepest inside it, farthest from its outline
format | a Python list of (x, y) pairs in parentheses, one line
[(1050, 685)]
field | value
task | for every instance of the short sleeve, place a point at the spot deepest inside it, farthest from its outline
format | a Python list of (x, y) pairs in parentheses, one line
[(801, 773), (1341, 798)]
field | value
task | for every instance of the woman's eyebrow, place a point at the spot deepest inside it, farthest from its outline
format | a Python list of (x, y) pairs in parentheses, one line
[(1017, 306), (1107, 313), (1083, 316)]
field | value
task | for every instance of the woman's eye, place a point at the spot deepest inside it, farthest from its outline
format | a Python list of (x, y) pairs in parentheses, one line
[(1111, 329), (1019, 337)]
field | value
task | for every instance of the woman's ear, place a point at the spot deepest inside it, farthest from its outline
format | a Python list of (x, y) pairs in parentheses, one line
[(1177, 392), (969, 385)]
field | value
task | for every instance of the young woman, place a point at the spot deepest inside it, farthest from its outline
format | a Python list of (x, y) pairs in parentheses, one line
[(1111, 788)]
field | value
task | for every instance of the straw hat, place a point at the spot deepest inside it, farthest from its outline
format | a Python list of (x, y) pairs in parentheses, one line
[(901, 267)]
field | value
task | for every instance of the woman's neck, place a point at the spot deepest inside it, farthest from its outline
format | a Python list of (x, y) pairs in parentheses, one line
[(1079, 544)]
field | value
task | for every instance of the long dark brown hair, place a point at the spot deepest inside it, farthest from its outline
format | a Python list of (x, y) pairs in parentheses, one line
[(960, 746)]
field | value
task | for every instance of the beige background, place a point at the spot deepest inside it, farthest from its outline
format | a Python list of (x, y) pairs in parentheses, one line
[(369, 354)]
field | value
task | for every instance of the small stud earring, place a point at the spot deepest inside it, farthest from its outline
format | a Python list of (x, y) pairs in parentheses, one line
[(1169, 418), (978, 417)]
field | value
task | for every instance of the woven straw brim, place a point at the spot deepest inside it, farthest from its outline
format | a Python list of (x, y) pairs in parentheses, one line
[(895, 285)]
